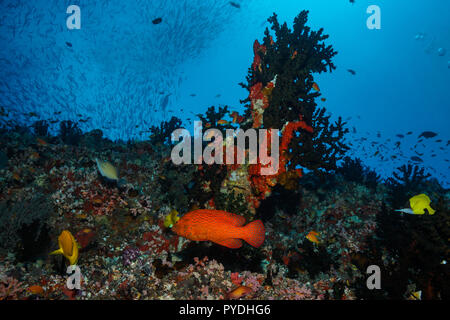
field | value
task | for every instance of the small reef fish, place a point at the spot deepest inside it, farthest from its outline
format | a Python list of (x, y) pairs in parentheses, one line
[(351, 71), (221, 227), (418, 205), (107, 170), (239, 292), (69, 44), (315, 86), (68, 247), (234, 4), (294, 55), (35, 289), (416, 159), (428, 134), (222, 122), (41, 142), (312, 236), (171, 219), (157, 21), (323, 99)]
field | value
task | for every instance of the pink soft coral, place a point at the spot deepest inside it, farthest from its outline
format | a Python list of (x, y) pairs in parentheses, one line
[(9, 288)]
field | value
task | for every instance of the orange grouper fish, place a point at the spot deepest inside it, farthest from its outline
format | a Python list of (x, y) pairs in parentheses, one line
[(221, 227)]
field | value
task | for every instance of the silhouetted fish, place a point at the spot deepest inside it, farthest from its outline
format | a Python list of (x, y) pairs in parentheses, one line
[(428, 134), (234, 4), (165, 102), (400, 136), (157, 21), (416, 159), (69, 44), (351, 71), (409, 132)]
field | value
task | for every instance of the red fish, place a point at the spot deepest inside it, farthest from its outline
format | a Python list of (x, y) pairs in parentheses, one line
[(221, 227)]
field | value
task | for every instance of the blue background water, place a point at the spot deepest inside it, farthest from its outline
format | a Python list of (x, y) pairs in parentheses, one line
[(122, 69)]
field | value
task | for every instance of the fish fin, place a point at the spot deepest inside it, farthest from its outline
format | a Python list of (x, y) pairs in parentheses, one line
[(254, 233), (59, 251), (230, 243), (430, 210)]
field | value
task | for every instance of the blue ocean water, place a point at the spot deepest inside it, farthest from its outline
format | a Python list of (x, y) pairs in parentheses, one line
[(122, 73)]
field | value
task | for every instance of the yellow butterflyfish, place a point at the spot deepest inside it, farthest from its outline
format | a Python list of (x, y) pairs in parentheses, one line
[(418, 205), (68, 247), (421, 202)]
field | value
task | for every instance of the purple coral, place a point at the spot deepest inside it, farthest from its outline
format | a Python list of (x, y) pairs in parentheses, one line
[(129, 255)]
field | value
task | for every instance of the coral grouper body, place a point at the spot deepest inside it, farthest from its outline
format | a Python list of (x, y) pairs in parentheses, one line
[(221, 227)]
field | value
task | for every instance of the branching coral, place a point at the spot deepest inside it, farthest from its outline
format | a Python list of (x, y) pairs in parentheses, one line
[(354, 170), (407, 180), (280, 84), (9, 288), (69, 132), (162, 134)]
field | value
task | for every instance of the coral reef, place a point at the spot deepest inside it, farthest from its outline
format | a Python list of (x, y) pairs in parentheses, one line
[(127, 250)]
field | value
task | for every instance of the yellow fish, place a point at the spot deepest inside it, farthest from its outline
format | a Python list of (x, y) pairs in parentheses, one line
[(312, 236), (171, 219), (418, 205), (417, 295), (68, 247), (107, 170)]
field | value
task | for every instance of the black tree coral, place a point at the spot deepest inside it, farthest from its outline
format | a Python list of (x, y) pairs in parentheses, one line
[(283, 69)]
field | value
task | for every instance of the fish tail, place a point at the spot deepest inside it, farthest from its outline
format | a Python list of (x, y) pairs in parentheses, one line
[(254, 233)]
